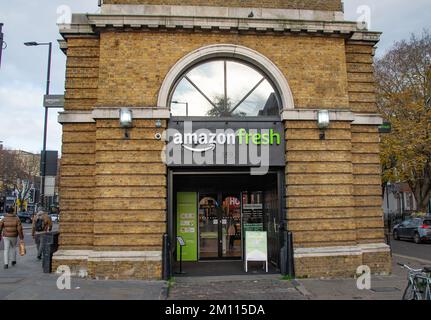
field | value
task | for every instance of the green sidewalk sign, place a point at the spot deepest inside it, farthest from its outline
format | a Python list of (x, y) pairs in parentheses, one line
[(187, 225)]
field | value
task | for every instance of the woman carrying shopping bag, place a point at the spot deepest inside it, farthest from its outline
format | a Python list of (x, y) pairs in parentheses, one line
[(11, 229)]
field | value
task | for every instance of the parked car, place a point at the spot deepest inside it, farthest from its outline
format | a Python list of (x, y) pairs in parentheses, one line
[(416, 229), (26, 217)]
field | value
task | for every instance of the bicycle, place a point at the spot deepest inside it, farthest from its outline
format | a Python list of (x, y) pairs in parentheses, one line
[(419, 285)]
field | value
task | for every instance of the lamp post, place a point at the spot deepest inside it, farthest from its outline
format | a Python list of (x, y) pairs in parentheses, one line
[(48, 82), (185, 103)]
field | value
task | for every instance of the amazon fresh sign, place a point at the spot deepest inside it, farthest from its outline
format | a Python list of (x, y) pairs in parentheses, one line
[(256, 144), (211, 139)]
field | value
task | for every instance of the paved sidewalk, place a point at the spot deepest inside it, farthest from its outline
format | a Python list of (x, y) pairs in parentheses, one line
[(26, 281), (273, 287), (382, 287), (244, 287)]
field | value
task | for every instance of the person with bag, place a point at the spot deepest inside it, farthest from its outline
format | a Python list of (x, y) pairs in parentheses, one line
[(11, 228), (42, 223)]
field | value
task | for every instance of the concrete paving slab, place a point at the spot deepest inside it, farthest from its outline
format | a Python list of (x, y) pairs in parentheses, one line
[(26, 281)]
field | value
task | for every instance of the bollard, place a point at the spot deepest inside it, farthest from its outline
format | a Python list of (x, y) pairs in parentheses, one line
[(49, 246)]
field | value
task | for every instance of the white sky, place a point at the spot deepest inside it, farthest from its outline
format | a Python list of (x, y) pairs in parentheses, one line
[(23, 69)]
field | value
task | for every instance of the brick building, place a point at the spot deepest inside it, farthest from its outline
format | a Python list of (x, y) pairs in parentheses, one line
[(250, 66)]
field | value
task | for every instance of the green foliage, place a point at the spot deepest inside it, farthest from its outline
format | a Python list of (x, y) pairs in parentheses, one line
[(404, 98)]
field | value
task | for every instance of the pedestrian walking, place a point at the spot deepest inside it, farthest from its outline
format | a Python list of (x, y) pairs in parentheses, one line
[(42, 224), (231, 232), (11, 228)]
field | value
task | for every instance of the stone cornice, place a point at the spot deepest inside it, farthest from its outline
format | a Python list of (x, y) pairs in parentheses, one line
[(220, 12), (136, 17)]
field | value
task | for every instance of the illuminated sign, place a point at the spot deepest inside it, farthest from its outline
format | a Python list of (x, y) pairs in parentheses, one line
[(233, 143)]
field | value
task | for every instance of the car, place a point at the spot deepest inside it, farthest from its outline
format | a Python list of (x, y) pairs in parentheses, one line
[(26, 217), (416, 229)]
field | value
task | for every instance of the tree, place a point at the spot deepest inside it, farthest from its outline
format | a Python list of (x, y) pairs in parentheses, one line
[(404, 98), (223, 108), (17, 172)]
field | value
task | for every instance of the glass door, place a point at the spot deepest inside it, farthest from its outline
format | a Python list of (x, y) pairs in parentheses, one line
[(209, 212), (231, 227), (219, 226)]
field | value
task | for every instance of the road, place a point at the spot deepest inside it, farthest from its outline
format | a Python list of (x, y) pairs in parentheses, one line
[(410, 249)]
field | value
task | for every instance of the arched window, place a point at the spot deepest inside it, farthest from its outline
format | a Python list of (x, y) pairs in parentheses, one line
[(224, 88)]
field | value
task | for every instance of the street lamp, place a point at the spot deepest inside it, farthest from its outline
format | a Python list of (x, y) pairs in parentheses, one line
[(48, 82), (187, 106)]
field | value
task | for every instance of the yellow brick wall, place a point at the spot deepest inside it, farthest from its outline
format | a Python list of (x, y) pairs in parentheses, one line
[(360, 75), (130, 193), (329, 266), (367, 184), (82, 73), (134, 65), (319, 177), (77, 182), (333, 5)]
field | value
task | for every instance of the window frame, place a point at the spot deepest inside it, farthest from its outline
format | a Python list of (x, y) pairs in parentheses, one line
[(231, 118)]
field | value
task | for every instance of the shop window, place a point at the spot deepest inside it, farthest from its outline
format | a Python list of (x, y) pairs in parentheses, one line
[(224, 88)]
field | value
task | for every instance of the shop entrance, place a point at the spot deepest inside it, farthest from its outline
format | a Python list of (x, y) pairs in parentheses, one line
[(212, 211), (219, 221)]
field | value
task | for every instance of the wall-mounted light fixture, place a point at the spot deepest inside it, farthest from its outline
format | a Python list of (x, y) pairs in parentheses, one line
[(323, 122), (158, 123), (126, 120)]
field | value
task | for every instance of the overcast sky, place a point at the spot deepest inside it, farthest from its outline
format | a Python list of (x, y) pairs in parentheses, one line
[(23, 69)]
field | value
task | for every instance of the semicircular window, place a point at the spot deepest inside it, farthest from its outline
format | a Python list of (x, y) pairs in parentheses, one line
[(224, 88)]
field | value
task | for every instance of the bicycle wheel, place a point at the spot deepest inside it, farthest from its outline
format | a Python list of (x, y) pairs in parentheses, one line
[(409, 293)]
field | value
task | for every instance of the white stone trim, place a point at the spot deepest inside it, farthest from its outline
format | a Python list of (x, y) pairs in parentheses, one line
[(334, 115), (111, 113), (327, 23), (72, 254), (311, 114), (374, 247), (227, 51), (235, 24), (341, 250), (91, 255), (115, 256), (163, 113), (75, 117), (138, 113), (370, 119), (220, 12)]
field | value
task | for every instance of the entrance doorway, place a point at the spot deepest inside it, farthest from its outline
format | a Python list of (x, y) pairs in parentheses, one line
[(219, 226), (225, 206)]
